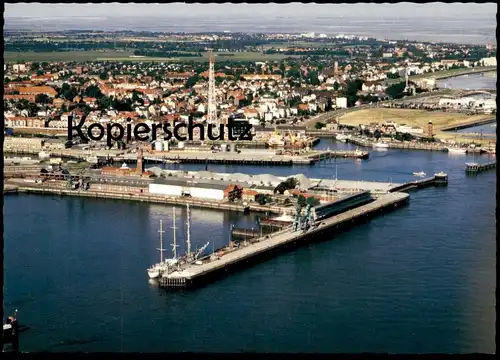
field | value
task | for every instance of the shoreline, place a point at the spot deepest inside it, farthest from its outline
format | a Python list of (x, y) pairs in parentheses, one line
[(469, 124)]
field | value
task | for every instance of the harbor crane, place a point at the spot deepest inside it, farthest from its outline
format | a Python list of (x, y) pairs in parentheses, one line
[(303, 222)]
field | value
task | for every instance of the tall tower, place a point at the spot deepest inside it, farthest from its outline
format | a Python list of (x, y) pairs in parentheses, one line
[(212, 106), (140, 164), (336, 68), (406, 78)]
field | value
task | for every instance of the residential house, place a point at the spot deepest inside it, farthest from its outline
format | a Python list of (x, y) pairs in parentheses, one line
[(25, 122), (37, 90), (372, 86)]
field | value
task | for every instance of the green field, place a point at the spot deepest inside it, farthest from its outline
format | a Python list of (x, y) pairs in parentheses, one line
[(64, 55), (125, 56)]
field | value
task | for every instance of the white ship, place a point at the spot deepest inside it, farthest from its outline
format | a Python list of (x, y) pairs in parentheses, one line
[(380, 145), (419, 174), (456, 150)]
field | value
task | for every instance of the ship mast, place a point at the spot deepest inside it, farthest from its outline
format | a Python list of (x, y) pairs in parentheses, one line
[(188, 232), (161, 241), (174, 242)]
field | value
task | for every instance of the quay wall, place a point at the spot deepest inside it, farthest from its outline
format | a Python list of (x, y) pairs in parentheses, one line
[(148, 198)]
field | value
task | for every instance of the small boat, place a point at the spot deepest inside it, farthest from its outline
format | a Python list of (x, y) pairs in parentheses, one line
[(419, 174), (456, 150), (154, 271), (380, 145)]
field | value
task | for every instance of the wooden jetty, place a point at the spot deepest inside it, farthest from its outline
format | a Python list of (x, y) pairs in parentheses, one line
[(476, 167), (190, 275)]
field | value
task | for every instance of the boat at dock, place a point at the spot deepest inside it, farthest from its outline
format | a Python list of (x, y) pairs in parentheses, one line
[(174, 264), (456, 150), (380, 145), (419, 174), (155, 270)]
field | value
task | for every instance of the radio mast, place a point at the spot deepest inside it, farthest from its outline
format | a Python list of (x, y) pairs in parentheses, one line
[(212, 107)]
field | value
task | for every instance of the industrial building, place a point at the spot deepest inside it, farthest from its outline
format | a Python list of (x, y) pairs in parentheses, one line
[(21, 143)]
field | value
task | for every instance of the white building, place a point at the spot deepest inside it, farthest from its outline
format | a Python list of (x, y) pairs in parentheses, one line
[(179, 187), (491, 61), (19, 68), (341, 102), (409, 129)]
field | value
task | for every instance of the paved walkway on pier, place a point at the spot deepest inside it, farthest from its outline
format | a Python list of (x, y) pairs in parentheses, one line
[(284, 236)]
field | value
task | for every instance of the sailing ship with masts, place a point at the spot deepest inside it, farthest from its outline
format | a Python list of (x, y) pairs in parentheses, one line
[(164, 267)]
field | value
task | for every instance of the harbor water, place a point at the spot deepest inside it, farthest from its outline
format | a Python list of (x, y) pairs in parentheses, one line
[(418, 280), (487, 81)]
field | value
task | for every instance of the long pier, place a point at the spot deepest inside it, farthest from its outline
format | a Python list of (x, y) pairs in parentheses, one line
[(190, 275), (476, 168), (205, 157), (439, 179), (395, 145)]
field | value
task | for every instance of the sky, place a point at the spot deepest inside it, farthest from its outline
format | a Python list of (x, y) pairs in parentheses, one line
[(401, 10)]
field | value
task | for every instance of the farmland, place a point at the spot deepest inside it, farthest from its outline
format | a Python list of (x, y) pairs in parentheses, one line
[(125, 56)]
